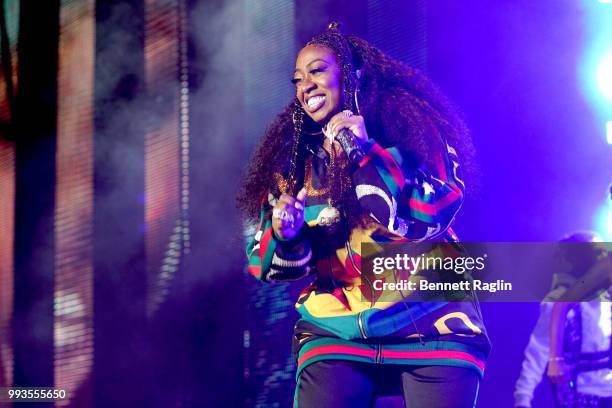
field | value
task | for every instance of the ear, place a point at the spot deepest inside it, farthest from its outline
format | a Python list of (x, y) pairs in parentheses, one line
[(358, 73)]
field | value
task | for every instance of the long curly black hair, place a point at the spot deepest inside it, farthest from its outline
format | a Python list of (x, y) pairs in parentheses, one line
[(400, 106)]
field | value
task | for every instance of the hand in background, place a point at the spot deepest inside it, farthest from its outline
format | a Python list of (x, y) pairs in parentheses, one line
[(558, 371)]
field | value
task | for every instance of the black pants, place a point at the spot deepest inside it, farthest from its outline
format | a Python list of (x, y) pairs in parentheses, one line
[(340, 384)]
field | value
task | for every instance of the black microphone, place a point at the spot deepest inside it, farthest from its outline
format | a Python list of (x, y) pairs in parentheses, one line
[(349, 144)]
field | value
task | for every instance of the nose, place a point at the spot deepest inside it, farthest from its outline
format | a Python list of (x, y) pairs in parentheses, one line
[(307, 84)]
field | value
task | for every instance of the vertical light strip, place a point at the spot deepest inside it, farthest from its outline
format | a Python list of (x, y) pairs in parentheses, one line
[(7, 227), (74, 201), (184, 125), (166, 146), (7, 203), (11, 10)]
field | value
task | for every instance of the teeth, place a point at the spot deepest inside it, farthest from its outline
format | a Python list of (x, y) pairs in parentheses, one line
[(315, 102)]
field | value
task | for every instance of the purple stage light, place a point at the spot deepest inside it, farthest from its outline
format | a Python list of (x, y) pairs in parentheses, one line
[(609, 132)]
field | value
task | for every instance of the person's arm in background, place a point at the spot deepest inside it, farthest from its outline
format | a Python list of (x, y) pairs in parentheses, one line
[(536, 354), (596, 279), (558, 371)]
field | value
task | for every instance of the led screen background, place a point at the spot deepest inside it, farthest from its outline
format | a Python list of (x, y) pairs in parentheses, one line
[(166, 231)]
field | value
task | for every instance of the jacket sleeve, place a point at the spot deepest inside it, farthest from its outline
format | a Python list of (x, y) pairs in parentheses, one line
[(273, 259), (418, 203)]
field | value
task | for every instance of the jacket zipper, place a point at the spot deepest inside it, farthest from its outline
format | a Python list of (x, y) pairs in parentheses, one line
[(360, 323), (379, 353)]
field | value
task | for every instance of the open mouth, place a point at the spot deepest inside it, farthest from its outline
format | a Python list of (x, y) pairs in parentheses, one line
[(315, 103)]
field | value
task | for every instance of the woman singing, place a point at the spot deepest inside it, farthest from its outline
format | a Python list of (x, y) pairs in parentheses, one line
[(367, 152)]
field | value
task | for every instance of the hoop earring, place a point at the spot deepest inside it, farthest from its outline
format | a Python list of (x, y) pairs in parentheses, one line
[(356, 93), (297, 117)]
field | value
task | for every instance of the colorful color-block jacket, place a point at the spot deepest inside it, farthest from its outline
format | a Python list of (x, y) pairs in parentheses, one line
[(340, 317)]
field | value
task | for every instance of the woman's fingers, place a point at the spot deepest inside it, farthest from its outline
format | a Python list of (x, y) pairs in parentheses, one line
[(337, 122), (288, 214), (297, 203), (284, 223), (340, 120), (301, 198), (285, 213), (354, 123), (286, 199)]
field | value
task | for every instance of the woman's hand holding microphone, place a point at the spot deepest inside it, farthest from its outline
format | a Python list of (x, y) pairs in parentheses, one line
[(344, 120)]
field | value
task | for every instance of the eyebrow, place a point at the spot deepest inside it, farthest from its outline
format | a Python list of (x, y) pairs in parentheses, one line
[(312, 62)]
